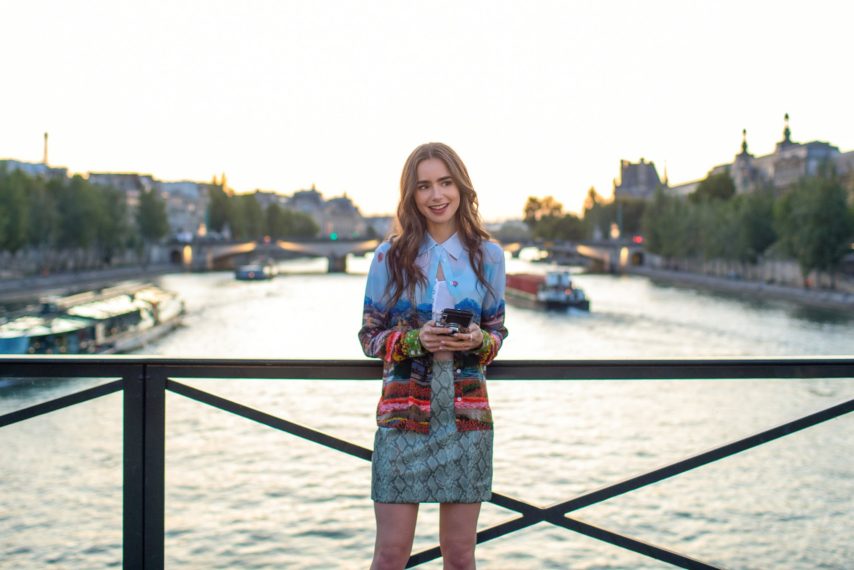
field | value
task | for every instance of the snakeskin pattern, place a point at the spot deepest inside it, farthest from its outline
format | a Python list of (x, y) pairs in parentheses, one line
[(444, 466)]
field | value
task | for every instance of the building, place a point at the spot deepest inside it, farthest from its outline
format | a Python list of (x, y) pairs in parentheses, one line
[(186, 207), (789, 162), (342, 217), (35, 169), (337, 216), (130, 184), (637, 180)]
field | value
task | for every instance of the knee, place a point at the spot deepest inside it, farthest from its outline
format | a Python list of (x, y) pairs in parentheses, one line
[(458, 554), (390, 557)]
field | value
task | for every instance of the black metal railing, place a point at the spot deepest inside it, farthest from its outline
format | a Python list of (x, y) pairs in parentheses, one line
[(145, 380)]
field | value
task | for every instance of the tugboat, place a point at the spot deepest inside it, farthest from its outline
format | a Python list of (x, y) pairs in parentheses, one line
[(258, 271), (554, 290)]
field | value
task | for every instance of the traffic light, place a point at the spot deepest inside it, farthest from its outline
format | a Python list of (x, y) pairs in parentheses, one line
[(333, 236)]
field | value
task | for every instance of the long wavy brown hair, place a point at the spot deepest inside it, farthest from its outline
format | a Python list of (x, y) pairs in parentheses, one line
[(410, 226)]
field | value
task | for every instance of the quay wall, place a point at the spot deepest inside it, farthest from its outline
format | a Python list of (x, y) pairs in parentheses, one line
[(775, 279)]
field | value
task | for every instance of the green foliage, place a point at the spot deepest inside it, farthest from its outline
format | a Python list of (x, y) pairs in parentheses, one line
[(538, 208), (756, 233), (298, 224), (151, 217), (218, 209), (546, 220), (598, 215), (714, 187), (14, 212), (811, 223), (629, 215), (252, 217), (815, 224)]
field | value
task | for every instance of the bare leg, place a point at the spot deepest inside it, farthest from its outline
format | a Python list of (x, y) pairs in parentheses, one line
[(395, 533), (458, 534)]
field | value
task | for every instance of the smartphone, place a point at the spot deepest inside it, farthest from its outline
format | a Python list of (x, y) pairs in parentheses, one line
[(455, 320)]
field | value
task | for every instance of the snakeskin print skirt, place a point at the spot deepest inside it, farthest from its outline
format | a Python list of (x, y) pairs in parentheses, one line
[(444, 466)]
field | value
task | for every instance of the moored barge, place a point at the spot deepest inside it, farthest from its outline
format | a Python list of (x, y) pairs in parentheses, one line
[(554, 290)]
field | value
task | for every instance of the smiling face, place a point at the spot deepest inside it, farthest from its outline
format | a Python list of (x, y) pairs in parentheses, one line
[(437, 198)]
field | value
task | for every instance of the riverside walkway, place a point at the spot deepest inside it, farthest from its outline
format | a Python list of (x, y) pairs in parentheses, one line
[(144, 382)]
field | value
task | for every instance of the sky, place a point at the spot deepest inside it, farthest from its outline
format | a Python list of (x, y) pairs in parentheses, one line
[(537, 97)]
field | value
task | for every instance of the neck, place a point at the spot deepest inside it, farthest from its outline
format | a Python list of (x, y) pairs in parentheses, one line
[(441, 233)]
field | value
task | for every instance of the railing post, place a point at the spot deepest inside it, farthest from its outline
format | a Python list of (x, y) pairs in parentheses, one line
[(144, 461), (133, 511)]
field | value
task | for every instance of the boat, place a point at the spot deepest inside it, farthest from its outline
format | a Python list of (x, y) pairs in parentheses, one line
[(554, 290), (109, 321), (258, 271)]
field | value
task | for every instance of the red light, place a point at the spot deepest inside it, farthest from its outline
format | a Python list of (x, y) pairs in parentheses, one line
[(637, 239)]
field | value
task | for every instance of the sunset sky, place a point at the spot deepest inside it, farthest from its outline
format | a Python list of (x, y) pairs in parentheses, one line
[(537, 97)]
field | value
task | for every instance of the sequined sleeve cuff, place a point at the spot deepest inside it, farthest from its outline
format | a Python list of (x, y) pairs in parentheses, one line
[(488, 348), (401, 346)]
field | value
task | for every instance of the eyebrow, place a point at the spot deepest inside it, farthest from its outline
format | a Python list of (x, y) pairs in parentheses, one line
[(442, 179)]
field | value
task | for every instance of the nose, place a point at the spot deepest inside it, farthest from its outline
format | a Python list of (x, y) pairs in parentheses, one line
[(435, 191)]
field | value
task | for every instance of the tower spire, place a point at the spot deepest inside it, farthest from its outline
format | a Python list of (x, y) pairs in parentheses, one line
[(743, 141), (44, 156), (787, 132)]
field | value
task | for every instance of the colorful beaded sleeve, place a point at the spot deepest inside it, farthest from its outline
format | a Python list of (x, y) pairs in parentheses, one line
[(400, 346)]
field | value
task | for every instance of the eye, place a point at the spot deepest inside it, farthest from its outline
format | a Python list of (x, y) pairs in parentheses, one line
[(447, 183)]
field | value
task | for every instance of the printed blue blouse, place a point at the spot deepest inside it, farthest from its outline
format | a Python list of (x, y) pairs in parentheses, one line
[(391, 333)]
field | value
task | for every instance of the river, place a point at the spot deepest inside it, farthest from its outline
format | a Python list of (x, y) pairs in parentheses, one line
[(239, 495)]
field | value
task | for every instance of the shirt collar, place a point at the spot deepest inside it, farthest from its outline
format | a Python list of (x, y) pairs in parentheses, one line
[(453, 246)]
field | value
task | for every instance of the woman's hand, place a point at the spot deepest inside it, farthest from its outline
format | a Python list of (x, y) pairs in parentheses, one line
[(439, 339)]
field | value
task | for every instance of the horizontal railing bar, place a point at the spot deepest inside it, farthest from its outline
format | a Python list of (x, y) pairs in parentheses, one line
[(704, 458), (632, 544), (269, 420), (60, 403), (66, 367), (612, 369)]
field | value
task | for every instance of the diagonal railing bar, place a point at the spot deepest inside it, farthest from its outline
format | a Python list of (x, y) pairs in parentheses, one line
[(715, 454), (269, 420), (632, 544), (145, 380), (554, 514), (60, 403)]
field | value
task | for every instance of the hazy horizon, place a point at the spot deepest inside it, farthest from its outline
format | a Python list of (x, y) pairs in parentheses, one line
[(541, 99)]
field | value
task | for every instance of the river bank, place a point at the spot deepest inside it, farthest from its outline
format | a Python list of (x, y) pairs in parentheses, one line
[(19, 290), (823, 298), (28, 288)]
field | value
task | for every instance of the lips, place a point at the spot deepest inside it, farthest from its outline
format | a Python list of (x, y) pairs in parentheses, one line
[(439, 210)]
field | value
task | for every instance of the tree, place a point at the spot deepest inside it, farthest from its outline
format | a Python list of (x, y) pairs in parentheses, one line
[(755, 214), (274, 220), (536, 209), (15, 211), (299, 224), (253, 216), (567, 227), (113, 230), (815, 225), (631, 214), (152, 220), (218, 209), (76, 202), (714, 187), (598, 215)]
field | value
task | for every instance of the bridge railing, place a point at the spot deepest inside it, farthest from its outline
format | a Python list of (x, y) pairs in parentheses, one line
[(144, 382)]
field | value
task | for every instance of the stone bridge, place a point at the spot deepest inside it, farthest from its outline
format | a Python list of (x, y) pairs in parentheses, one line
[(228, 255), (603, 255)]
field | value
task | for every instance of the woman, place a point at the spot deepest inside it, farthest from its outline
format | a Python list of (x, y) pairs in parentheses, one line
[(434, 437)]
